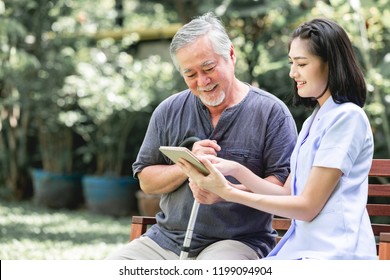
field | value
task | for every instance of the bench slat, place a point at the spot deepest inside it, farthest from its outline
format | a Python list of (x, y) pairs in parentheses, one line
[(380, 210), (281, 223), (380, 228), (380, 168), (379, 190)]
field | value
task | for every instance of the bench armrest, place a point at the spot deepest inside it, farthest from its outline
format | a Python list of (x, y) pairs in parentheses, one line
[(384, 246)]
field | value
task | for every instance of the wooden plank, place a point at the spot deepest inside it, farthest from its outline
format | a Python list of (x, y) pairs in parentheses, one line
[(139, 225), (378, 210), (281, 223), (143, 219), (379, 190), (380, 167), (384, 246), (379, 228)]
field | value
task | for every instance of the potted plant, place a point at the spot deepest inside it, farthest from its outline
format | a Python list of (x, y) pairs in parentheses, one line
[(53, 179), (116, 96), (32, 73), (56, 185), (57, 180)]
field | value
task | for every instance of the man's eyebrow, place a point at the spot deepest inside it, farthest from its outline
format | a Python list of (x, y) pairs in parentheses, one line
[(207, 63), (204, 64), (186, 70)]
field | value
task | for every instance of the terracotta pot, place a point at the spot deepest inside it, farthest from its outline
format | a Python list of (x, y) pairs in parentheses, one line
[(148, 204)]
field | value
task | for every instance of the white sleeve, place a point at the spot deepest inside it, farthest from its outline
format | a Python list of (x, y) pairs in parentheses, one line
[(343, 140)]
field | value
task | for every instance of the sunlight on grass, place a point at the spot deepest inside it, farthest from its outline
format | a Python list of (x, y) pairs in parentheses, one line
[(37, 233), (49, 250)]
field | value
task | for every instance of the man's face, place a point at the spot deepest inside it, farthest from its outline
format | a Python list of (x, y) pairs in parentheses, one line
[(205, 72)]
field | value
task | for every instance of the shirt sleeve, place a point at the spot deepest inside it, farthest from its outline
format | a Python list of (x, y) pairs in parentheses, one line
[(342, 140), (149, 153), (280, 142)]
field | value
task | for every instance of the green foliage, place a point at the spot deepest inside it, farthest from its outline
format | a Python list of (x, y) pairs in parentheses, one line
[(261, 30), (59, 79), (70, 70), (113, 90)]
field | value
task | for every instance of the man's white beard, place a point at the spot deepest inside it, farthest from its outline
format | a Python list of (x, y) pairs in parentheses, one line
[(215, 102)]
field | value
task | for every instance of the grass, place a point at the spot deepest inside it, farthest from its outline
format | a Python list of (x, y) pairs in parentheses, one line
[(32, 232)]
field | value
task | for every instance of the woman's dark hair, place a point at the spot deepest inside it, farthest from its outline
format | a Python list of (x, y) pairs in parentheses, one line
[(330, 42)]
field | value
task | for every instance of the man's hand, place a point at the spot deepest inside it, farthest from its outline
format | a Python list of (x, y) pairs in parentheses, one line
[(206, 147), (203, 148), (203, 196)]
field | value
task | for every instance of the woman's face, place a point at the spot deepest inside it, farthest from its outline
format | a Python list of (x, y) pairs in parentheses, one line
[(309, 71)]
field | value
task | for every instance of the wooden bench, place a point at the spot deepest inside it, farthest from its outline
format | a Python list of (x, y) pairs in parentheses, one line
[(378, 207)]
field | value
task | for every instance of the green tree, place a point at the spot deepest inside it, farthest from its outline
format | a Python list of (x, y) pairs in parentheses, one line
[(32, 70), (47, 96)]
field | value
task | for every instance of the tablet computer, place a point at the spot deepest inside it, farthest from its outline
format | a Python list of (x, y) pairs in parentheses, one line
[(174, 153)]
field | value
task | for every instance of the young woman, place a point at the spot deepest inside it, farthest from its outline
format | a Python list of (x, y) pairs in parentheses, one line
[(326, 192)]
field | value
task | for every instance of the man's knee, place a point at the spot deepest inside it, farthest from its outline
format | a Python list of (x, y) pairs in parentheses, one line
[(142, 248), (228, 250)]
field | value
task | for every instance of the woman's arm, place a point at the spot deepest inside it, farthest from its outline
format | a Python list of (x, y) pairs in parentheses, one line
[(305, 206), (269, 185)]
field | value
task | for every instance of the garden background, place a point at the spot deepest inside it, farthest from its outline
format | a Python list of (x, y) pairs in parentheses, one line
[(80, 79)]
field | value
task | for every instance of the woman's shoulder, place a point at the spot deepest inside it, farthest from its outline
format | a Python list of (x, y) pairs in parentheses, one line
[(347, 115), (350, 109)]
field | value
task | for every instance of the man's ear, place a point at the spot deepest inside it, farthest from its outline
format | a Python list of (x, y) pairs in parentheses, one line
[(233, 54)]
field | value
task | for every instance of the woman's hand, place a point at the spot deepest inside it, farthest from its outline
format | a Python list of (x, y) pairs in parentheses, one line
[(201, 185), (226, 167)]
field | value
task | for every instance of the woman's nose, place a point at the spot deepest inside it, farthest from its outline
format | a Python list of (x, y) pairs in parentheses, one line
[(293, 73)]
